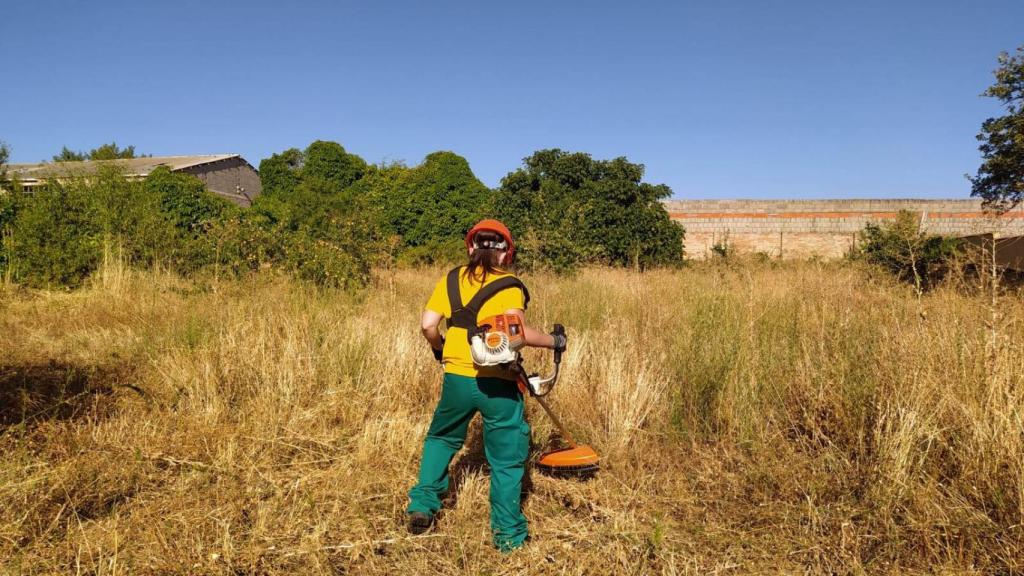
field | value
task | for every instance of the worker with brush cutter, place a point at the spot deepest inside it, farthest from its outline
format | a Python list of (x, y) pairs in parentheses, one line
[(484, 305)]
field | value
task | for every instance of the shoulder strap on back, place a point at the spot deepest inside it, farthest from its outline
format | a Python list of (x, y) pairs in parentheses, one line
[(464, 316), (488, 292), (459, 313)]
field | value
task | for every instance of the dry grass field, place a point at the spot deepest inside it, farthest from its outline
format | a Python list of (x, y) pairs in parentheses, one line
[(804, 418)]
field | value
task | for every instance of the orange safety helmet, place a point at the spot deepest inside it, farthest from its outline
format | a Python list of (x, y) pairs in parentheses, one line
[(493, 226)]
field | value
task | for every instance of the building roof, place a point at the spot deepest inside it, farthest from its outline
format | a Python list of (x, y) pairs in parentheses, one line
[(131, 166)]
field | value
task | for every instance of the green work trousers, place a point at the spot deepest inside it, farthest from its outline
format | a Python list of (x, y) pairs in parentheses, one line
[(506, 445)]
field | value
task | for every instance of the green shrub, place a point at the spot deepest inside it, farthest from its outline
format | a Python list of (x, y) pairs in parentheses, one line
[(56, 237), (911, 255)]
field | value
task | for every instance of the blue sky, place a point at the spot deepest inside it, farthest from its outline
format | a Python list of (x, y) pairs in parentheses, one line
[(727, 99)]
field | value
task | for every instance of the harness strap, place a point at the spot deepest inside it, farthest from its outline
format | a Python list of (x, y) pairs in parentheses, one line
[(464, 316)]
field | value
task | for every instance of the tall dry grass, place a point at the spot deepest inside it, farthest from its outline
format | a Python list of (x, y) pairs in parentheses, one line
[(799, 418)]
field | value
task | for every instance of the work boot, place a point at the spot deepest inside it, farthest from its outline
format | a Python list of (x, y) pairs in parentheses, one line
[(420, 522)]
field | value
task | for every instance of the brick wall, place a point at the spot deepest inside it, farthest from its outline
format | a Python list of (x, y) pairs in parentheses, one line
[(826, 228)]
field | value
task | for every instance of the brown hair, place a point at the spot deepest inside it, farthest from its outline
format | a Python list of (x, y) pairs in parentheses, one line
[(484, 261)]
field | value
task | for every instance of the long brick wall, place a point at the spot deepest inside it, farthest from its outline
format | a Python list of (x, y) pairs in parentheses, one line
[(825, 228)]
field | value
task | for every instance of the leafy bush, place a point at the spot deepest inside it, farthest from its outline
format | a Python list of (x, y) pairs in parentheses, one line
[(55, 237), (189, 211), (908, 253)]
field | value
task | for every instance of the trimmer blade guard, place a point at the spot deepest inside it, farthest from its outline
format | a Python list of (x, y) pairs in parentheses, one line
[(577, 462)]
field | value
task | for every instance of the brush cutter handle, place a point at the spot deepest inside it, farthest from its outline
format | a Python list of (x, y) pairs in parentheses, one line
[(559, 331)]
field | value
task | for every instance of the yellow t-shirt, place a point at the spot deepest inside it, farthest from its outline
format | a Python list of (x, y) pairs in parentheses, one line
[(456, 356)]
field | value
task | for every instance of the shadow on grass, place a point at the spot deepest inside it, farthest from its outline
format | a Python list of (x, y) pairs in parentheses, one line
[(32, 393)]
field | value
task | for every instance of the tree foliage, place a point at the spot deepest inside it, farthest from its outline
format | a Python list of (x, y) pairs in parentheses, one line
[(907, 252), (570, 209), (1000, 178), (326, 216), (69, 155), (325, 234), (328, 161), (104, 152), (280, 173), (56, 235), (55, 238), (185, 199), (426, 210), (324, 161), (5, 154)]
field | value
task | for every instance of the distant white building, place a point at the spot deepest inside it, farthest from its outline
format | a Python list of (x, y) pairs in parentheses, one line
[(227, 175)]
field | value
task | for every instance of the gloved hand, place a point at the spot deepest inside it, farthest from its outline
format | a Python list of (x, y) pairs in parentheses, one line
[(438, 353), (560, 341)]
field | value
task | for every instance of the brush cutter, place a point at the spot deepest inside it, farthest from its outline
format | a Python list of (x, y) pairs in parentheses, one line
[(575, 461)]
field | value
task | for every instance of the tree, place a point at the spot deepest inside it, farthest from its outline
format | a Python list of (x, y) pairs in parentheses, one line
[(427, 208), (8, 207), (319, 227), (322, 160), (69, 155), (111, 152), (5, 154), (571, 209), (330, 162), (1000, 179), (103, 152), (280, 173)]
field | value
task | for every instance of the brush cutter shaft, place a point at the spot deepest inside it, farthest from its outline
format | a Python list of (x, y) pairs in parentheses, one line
[(576, 461), (565, 433)]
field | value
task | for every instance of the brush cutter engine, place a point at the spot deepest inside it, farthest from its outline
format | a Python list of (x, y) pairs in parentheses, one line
[(497, 340)]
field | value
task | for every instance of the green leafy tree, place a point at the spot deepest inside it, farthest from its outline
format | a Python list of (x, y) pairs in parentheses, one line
[(58, 232), (321, 227), (69, 155), (427, 209), (5, 154), (1000, 179), (571, 209), (328, 161), (191, 212), (104, 152), (111, 152), (325, 161), (318, 235), (280, 173), (9, 196)]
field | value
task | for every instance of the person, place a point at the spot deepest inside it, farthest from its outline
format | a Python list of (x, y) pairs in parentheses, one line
[(468, 388)]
